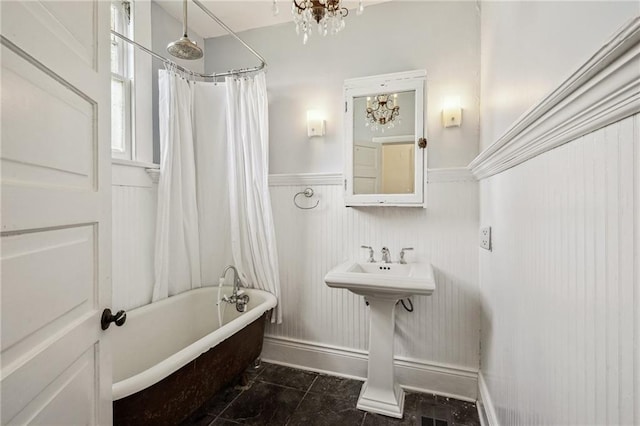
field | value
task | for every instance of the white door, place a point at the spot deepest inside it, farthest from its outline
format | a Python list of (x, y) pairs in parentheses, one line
[(366, 168), (55, 182)]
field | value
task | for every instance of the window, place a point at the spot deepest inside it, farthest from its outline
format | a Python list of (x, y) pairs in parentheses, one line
[(121, 81)]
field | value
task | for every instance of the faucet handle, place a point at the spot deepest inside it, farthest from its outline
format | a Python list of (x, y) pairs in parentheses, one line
[(371, 259), (386, 255), (402, 254)]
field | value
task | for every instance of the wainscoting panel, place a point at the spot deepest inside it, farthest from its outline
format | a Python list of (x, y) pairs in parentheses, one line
[(560, 290), (134, 222), (444, 327)]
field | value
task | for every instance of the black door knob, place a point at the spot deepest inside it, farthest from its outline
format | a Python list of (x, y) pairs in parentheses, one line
[(107, 318)]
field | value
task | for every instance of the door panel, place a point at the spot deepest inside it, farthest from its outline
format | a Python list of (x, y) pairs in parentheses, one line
[(58, 294), (52, 376), (67, 30), (366, 168), (62, 121), (56, 219)]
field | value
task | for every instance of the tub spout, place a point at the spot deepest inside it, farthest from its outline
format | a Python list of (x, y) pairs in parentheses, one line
[(236, 278), (237, 296)]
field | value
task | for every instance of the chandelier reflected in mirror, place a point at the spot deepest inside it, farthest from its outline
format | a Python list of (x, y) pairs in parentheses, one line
[(327, 15), (382, 112)]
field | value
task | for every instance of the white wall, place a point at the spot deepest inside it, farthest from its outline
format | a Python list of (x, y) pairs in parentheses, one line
[(529, 48), (559, 289), (134, 201), (324, 326), (133, 193), (443, 331), (441, 37)]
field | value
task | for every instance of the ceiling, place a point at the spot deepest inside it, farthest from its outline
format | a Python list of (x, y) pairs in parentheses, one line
[(239, 15)]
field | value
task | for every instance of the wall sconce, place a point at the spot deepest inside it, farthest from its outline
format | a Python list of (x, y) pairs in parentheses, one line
[(315, 123), (452, 112)]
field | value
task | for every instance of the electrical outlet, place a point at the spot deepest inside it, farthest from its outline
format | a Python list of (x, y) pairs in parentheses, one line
[(485, 238)]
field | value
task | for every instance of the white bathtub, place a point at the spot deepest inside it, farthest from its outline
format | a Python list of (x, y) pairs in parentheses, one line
[(160, 338)]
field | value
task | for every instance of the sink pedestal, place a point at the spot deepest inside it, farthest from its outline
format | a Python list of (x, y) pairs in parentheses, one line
[(381, 393), (382, 284)]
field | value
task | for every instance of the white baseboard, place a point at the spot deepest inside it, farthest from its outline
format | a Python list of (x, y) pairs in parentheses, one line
[(486, 410), (451, 381)]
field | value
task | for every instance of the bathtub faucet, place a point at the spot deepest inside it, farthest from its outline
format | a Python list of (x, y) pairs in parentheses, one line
[(237, 297)]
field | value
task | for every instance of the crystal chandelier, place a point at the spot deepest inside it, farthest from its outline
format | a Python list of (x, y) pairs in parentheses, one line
[(328, 15), (382, 112)]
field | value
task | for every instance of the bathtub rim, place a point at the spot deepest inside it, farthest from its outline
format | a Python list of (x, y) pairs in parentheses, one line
[(173, 363)]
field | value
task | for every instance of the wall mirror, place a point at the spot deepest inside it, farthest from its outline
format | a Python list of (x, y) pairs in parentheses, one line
[(384, 139)]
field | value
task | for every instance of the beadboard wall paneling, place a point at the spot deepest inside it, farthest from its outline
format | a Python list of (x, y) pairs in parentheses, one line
[(134, 201), (444, 327), (560, 289), (437, 345)]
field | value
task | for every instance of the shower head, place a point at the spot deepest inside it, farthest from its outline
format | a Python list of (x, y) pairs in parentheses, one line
[(184, 48)]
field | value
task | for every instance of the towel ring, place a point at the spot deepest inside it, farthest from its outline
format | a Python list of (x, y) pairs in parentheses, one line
[(308, 192)]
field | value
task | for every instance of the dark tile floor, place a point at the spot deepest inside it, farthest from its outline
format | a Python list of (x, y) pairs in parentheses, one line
[(279, 395)]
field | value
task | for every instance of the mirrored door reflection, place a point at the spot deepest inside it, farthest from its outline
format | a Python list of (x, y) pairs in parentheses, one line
[(384, 143)]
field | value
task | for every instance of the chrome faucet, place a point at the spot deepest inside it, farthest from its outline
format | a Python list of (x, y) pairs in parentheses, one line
[(236, 278), (371, 259), (386, 256), (237, 295), (402, 261)]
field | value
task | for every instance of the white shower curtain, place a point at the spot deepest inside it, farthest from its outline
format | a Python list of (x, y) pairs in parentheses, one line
[(253, 242), (177, 250)]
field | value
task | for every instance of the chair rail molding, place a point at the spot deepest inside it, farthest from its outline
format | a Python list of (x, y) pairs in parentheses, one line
[(441, 175), (287, 179), (604, 90)]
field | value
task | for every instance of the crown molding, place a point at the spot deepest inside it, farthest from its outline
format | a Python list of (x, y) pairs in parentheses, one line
[(604, 90)]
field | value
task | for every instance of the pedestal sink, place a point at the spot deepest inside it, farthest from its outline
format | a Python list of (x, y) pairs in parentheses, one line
[(382, 284)]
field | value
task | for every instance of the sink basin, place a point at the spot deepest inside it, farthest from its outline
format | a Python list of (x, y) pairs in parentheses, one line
[(391, 280), (382, 284)]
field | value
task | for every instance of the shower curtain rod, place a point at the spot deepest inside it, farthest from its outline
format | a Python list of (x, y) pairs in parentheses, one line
[(263, 63)]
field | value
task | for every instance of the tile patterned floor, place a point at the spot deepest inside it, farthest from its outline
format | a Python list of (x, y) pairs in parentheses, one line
[(282, 396)]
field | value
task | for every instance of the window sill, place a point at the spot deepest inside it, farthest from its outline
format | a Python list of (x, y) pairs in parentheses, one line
[(133, 163), (131, 173)]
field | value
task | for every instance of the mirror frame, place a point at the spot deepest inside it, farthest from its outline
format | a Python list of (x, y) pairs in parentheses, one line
[(396, 82)]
